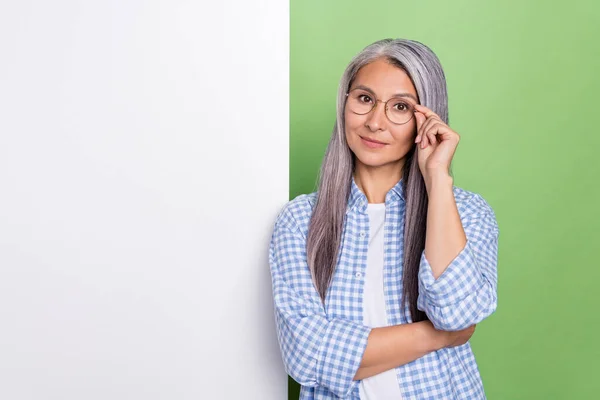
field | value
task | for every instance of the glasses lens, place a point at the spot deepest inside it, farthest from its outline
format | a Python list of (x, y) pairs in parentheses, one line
[(399, 110), (360, 101)]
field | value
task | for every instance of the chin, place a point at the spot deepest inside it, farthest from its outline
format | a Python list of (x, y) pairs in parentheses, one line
[(373, 160)]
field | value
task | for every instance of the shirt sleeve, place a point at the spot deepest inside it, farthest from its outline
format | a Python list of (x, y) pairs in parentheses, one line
[(466, 292), (316, 350)]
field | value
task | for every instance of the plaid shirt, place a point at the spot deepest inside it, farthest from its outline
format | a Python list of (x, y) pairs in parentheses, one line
[(322, 345)]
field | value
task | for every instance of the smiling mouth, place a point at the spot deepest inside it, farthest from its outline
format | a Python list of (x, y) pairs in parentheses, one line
[(371, 140)]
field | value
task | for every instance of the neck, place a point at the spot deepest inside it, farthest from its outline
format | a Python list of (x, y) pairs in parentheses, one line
[(376, 182)]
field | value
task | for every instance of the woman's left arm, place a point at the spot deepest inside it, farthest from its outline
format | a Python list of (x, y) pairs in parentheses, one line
[(458, 270)]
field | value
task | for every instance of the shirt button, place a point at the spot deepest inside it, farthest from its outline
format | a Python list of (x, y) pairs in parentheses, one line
[(358, 274), (362, 234)]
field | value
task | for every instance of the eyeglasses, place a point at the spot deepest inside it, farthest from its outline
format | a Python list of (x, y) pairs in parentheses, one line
[(397, 109)]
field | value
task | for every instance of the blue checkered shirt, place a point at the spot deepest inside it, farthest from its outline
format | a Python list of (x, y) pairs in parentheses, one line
[(322, 345)]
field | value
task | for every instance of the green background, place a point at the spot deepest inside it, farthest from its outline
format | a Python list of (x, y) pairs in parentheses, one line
[(523, 83)]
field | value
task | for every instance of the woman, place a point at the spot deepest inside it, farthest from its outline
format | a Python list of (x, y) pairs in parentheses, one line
[(380, 276)]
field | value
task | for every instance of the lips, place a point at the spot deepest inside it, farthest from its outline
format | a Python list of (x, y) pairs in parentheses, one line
[(372, 140), (372, 144)]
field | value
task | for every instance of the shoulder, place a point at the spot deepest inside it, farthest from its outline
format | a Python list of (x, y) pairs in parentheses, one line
[(296, 213), (474, 209)]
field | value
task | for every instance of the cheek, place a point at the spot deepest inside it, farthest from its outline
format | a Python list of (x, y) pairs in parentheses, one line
[(352, 121), (411, 128), (353, 124), (405, 135)]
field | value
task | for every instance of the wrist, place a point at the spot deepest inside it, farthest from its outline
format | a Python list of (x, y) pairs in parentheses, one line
[(438, 180), (434, 339)]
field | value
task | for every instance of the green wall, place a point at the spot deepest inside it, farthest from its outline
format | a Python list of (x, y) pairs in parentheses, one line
[(523, 89)]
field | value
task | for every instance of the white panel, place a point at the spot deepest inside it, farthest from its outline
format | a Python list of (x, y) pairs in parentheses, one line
[(143, 159)]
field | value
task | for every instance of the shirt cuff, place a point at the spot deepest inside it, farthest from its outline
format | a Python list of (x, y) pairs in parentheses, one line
[(460, 279), (341, 353)]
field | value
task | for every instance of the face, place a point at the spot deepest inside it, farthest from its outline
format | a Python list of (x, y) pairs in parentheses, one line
[(383, 81)]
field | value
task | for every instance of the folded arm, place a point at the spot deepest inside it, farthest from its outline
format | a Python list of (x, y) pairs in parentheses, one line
[(334, 353)]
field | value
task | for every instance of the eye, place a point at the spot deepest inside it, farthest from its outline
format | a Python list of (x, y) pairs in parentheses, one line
[(401, 107), (363, 98)]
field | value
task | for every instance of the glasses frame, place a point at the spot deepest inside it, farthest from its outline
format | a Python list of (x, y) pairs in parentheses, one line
[(385, 103)]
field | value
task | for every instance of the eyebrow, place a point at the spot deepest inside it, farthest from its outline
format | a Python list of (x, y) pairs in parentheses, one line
[(396, 95)]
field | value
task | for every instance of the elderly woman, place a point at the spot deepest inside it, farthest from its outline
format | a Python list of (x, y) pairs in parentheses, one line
[(380, 276)]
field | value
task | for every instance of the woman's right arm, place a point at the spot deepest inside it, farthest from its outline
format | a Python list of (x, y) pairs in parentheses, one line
[(333, 353), (392, 346)]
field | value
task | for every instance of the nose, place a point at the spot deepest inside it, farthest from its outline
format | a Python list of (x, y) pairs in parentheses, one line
[(376, 117)]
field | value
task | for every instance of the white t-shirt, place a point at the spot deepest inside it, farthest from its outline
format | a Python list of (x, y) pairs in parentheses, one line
[(383, 386)]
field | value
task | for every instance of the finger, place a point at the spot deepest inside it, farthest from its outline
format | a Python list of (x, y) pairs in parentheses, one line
[(426, 111), (425, 141), (430, 128), (430, 135), (430, 122), (435, 132), (432, 138), (422, 140), (441, 131), (420, 118), (424, 129)]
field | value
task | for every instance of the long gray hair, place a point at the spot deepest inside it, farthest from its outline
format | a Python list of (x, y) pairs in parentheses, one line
[(327, 221)]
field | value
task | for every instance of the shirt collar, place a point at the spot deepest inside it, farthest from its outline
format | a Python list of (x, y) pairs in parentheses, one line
[(358, 200)]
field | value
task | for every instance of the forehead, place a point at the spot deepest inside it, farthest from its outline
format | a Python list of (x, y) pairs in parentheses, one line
[(384, 79)]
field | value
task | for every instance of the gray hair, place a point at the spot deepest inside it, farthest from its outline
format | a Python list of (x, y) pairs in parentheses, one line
[(327, 220)]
